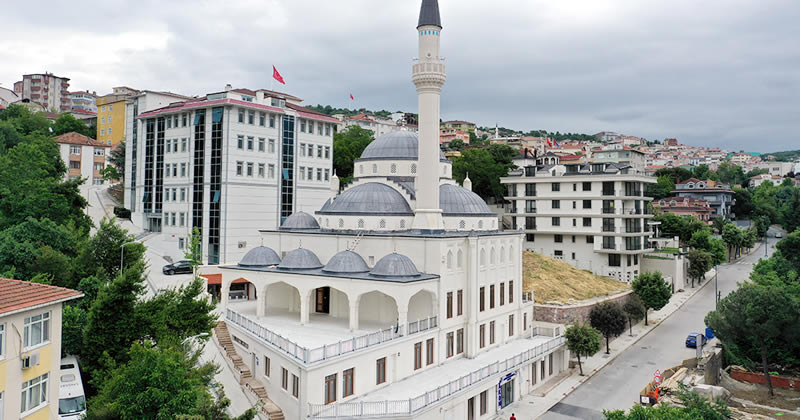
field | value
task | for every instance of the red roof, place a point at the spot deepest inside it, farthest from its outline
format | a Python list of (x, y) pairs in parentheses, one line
[(82, 111), (16, 295), (569, 157), (79, 139), (217, 279)]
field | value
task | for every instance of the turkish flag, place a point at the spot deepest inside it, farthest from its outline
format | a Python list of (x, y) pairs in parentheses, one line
[(351, 97), (277, 76)]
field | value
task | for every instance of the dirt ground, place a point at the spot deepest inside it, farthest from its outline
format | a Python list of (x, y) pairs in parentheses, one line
[(554, 281), (747, 397)]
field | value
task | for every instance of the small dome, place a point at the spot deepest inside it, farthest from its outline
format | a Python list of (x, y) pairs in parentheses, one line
[(395, 265), (459, 201), (300, 259), (371, 198), (398, 145), (299, 220), (260, 256), (346, 262)]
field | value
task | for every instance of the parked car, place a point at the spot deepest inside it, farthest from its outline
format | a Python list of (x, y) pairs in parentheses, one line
[(778, 235), (691, 340), (183, 266)]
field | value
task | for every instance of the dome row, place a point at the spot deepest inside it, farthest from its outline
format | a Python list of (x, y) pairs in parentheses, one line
[(344, 262)]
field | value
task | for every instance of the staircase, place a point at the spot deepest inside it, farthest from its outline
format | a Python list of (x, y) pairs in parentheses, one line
[(246, 379)]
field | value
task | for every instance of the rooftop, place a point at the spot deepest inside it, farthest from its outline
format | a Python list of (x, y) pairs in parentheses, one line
[(79, 139), (18, 295)]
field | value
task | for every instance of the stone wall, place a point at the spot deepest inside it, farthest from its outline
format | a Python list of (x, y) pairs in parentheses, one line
[(758, 378), (567, 314)]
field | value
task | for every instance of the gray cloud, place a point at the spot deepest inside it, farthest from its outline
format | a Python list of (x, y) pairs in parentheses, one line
[(716, 73)]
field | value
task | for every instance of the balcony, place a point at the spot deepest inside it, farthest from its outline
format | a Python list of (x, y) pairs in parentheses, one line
[(608, 228), (608, 210)]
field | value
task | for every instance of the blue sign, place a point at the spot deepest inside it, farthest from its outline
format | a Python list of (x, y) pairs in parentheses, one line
[(503, 380)]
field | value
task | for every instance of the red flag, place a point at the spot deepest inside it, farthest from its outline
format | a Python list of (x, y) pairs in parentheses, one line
[(277, 76), (548, 142), (351, 97)]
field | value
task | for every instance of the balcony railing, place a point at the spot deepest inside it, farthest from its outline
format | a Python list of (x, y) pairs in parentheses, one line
[(390, 408), (608, 210), (307, 356), (608, 228)]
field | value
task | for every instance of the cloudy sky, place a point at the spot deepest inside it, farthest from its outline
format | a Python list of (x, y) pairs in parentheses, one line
[(713, 73)]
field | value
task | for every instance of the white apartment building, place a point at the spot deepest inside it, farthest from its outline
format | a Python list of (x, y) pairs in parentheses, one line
[(228, 164), (621, 155), (397, 298), (82, 100), (591, 216), (84, 157)]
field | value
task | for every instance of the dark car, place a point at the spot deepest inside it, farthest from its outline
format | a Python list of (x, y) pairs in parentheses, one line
[(691, 340), (183, 266)]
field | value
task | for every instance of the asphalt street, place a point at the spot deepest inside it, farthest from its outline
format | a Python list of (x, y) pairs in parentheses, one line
[(617, 385)]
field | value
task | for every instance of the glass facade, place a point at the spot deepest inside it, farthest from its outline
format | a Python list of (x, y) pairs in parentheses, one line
[(287, 168), (215, 190), (198, 169)]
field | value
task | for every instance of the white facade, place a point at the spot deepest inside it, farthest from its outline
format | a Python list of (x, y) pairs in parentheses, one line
[(593, 217), (85, 101), (229, 164), (84, 157)]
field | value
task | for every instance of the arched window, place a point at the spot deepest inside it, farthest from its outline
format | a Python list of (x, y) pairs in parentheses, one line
[(394, 168), (341, 223), (361, 223), (459, 258), (413, 168), (361, 169), (449, 259), (402, 224), (374, 168), (480, 224), (492, 256), (511, 254), (462, 225), (502, 254), (327, 222), (383, 224), (483, 257)]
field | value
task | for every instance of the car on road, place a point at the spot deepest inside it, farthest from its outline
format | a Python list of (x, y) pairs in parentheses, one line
[(778, 235), (691, 340), (182, 266)]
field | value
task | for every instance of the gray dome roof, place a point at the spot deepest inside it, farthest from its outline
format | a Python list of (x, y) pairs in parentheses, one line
[(371, 198), (395, 145), (346, 262), (300, 259), (260, 256), (459, 201), (300, 220), (395, 265)]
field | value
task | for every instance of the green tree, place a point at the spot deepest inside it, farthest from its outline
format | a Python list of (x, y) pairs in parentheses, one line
[(699, 264), (703, 172), (653, 290), (675, 175), (181, 312), (67, 123), (681, 226), (743, 205), (347, 147), (634, 309), (104, 250), (758, 321), (790, 212), (73, 320), (456, 144), (731, 174), (732, 237), (761, 224), (765, 202), (693, 406), (116, 168), (609, 319), (583, 340), (37, 245), (790, 249), (703, 240), (661, 189), (486, 166)]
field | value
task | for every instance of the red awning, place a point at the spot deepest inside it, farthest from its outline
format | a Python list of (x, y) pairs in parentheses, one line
[(217, 279)]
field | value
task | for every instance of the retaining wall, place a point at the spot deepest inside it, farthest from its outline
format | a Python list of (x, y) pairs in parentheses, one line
[(567, 314), (758, 378)]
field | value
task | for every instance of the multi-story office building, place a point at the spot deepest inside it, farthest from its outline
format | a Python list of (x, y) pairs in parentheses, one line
[(418, 310), (84, 157), (45, 89), (228, 164), (30, 348), (84, 101), (718, 194), (111, 115), (591, 216)]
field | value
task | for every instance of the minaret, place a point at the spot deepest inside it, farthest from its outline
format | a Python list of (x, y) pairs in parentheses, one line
[(428, 74)]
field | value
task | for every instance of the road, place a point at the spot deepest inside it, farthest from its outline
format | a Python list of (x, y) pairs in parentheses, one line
[(617, 385)]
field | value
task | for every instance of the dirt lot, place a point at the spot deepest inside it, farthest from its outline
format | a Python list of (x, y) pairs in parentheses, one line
[(748, 397), (554, 281)]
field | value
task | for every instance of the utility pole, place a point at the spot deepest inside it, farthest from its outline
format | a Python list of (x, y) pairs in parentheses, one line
[(716, 287)]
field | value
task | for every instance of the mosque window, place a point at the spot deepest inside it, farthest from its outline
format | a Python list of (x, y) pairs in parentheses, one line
[(394, 168), (413, 168), (361, 223), (449, 259), (462, 225), (361, 169), (459, 257), (402, 224), (383, 224), (480, 224), (374, 168), (341, 223)]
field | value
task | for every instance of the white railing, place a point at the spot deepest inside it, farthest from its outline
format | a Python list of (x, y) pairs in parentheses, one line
[(390, 408), (328, 351)]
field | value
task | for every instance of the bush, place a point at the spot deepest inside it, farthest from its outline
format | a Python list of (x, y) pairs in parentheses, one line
[(122, 213)]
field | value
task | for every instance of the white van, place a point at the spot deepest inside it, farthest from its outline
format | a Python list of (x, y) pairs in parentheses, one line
[(71, 399)]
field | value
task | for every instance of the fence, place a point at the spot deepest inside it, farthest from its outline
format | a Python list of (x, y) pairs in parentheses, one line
[(390, 408), (307, 356)]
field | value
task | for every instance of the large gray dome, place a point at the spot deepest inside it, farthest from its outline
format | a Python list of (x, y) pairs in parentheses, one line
[(395, 265), (395, 145), (299, 220), (346, 262), (459, 201), (260, 256), (300, 259), (371, 198)]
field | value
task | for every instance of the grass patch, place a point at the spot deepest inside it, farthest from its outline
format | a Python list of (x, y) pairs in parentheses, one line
[(653, 257), (667, 251), (554, 281)]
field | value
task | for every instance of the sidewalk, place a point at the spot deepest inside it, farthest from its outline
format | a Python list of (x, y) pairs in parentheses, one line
[(533, 406)]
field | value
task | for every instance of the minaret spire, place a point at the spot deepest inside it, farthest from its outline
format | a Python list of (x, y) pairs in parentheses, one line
[(428, 75)]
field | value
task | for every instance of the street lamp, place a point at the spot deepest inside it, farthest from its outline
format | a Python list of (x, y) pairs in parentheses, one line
[(183, 343), (716, 287), (122, 254)]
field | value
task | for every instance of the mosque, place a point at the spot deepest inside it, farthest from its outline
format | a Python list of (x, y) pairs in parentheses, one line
[(399, 297)]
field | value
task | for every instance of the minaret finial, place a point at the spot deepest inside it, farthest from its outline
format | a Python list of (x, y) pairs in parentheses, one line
[(429, 14)]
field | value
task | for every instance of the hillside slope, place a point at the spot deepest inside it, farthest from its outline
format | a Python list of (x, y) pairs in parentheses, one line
[(554, 281)]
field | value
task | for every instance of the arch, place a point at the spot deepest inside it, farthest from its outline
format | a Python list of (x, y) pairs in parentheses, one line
[(511, 253), (337, 306), (483, 257), (327, 222), (374, 168), (502, 254), (480, 224), (449, 259), (361, 223), (281, 298), (459, 258), (421, 305), (361, 169), (376, 309), (492, 256)]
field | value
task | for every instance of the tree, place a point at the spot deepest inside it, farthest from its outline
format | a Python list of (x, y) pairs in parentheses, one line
[(702, 240), (693, 406), (104, 250), (485, 167), (681, 226), (635, 310), (758, 321), (67, 123), (743, 201), (181, 312), (456, 144), (731, 174), (347, 147), (731, 235), (790, 249), (653, 290), (674, 174), (703, 172), (761, 225), (661, 189), (609, 319), (116, 160), (790, 212), (73, 319), (699, 264), (583, 340)]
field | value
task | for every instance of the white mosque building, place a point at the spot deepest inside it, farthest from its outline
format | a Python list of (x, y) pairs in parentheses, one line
[(399, 298)]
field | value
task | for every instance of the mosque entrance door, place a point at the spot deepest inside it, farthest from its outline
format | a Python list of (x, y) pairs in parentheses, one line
[(323, 295)]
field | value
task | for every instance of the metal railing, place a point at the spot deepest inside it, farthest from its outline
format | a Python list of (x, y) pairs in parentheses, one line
[(390, 408), (328, 351)]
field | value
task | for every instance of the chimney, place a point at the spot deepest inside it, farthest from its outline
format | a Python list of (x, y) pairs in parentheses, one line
[(228, 87)]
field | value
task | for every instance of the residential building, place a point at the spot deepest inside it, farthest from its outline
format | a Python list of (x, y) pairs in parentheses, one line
[(398, 298), (82, 100), (683, 206), (45, 89), (84, 157), (7, 97), (718, 195), (757, 180), (378, 125), (228, 163), (448, 135), (779, 169), (464, 126), (30, 348), (591, 216), (622, 155), (88, 117), (671, 142), (111, 115), (606, 136)]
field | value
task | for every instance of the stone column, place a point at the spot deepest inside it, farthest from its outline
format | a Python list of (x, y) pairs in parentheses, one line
[(354, 314), (261, 303), (304, 295)]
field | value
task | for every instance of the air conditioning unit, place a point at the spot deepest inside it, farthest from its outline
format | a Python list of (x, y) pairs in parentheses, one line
[(30, 360)]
